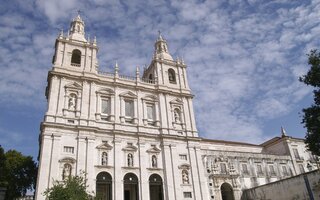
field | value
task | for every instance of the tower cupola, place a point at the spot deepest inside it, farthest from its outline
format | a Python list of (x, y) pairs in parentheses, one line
[(161, 48), (77, 29)]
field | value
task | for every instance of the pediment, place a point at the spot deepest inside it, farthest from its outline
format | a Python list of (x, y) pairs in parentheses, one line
[(150, 98), (154, 150), (176, 101), (184, 166), (74, 85), (130, 147), (106, 91), (67, 160), (128, 95), (105, 146)]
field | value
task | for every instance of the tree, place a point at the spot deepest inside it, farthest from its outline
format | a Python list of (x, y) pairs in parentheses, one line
[(18, 173), (73, 188), (311, 117), (3, 182)]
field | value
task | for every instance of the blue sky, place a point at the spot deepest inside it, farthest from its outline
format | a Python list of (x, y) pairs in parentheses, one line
[(244, 59)]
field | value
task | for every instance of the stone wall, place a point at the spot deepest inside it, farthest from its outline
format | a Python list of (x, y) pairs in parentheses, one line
[(303, 186)]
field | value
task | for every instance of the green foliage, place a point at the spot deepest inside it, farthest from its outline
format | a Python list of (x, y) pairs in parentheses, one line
[(3, 182), (18, 173), (311, 117), (73, 188)]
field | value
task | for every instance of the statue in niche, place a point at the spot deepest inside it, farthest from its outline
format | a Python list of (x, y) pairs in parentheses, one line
[(66, 173), (130, 160), (185, 177), (154, 161), (104, 158), (176, 115), (72, 102)]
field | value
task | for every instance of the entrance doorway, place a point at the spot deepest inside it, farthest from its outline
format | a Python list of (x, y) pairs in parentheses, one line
[(130, 186), (155, 187), (104, 186), (227, 192)]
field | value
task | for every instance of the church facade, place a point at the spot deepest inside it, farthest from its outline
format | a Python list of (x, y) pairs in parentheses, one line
[(135, 138)]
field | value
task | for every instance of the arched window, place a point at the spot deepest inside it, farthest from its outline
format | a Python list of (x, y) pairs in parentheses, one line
[(131, 187), (76, 58), (104, 158), (154, 161), (227, 192), (150, 77), (72, 102), (104, 186), (130, 160), (66, 172), (177, 115), (155, 187), (172, 76), (185, 176)]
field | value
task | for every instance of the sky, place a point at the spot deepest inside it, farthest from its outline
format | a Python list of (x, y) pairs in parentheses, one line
[(244, 59)]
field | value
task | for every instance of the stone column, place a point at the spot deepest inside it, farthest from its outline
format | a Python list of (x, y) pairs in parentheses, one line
[(118, 176), (52, 98), (89, 165), (44, 166), (112, 108), (55, 166), (169, 186)]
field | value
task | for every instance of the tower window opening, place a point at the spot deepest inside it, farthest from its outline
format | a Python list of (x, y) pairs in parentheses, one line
[(172, 76), (76, 58)]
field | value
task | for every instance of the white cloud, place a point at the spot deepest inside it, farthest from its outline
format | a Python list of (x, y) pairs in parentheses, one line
[(244, 60)]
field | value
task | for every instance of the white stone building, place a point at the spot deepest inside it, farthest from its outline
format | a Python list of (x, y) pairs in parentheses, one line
[(136, 137)]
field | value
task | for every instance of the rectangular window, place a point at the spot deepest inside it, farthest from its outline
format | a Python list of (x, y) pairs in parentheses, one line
[(104, 106), (129, 109), (187, 194), (245, 169), (296, 153), (284, 170), (183, 157), (68, 149), (259, 169), (223, 168), (272, 172), (301, 168), (150, 112)]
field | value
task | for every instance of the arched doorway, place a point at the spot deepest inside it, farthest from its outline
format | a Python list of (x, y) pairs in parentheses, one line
[(104, 186), (227, 192), (155, 187), (130, 186)]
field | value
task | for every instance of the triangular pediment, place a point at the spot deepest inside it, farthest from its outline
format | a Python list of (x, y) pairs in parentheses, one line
[(154, 150), (106, 91), (128, 95), (67, 160), (176, 101), (105, 146), (74, 85), (150, 98), (130, 147), (184, 166)]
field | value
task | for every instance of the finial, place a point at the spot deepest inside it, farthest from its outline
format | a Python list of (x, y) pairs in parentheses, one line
[(61, 33), (88, 40), (283, 132), (95, 40), (137, 73), (178, 59), (182, 61), (159, 35), (116, 68)]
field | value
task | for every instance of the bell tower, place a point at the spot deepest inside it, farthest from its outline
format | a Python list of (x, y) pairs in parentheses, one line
[(73, 51), (164, 70)]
